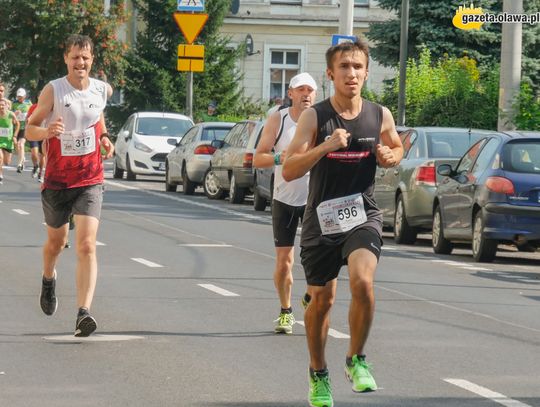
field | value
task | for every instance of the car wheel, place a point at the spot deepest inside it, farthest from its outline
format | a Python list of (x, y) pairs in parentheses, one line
[(188, 186), (131, 176), (236, 194), (440, 244), (211, 185), (403, 233), (484, 250), (259, 202), (118, 172), (169, 185)]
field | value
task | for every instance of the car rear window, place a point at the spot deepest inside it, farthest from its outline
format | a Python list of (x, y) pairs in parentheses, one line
[(162, 126), (214, 134), (451, 144), (522, 156)]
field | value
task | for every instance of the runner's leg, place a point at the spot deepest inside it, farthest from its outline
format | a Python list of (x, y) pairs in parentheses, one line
[(317, 321), (283, 278), (362, 264), (56, 240), (85, 235)]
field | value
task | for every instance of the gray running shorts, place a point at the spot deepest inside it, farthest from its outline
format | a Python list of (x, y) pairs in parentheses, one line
[(58, 205)]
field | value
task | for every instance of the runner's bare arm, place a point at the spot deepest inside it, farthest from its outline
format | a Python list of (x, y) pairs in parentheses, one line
[(390, 153), (34, 131), (105, 142), (302, 155), (16, 124), (263, 155)]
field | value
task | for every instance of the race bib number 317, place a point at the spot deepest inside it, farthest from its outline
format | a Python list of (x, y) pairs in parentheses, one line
[(77, 143), (341, 214)]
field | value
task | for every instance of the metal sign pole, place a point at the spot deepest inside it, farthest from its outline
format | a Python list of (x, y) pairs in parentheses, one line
[(189, 94)]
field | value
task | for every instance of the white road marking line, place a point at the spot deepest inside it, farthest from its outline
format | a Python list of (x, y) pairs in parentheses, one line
[(194, 203), (92, 338), (332, 332), (20, 212), (389, 248), (452, 263), (476, 268), (218, 290), (204, 245), (146, 262), (98, 243), (486, 393), (466, 311)]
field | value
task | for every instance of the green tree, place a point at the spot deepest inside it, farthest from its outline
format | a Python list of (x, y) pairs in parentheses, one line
[(33, 34), (430, 26), (528, 107), (452, 92), (153, 81)]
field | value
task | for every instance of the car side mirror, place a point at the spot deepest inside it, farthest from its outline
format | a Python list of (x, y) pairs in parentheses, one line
[(125, 134), (445, 170), (172, 142), (217, 143)]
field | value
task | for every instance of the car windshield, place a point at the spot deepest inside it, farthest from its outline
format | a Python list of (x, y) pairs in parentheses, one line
[(522, 157), (162, 126), (210, 134), (451, 144)]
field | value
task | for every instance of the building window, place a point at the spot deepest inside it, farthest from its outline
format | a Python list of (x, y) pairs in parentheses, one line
[(286, 2), (361, 2), (284, 64)]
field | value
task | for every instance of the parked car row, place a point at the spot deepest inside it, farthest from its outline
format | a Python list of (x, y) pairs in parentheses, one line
[(464, 185)]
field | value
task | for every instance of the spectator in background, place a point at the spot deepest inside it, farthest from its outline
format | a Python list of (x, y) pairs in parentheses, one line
[(277, 102), (211, 114)]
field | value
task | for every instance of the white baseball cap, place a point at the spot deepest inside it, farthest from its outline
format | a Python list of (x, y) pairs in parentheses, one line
[(303, 79), (21, 92)]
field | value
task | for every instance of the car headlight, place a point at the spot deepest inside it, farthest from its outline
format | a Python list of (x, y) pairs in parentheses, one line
[(142, 147)]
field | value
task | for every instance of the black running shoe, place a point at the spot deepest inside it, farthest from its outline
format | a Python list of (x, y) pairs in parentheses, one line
[(20, 169), (35, 171), (48, 300), (86, 324)]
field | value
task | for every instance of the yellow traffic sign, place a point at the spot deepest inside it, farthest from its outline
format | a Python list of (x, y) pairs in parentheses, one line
[(191, 25), (190, 58)]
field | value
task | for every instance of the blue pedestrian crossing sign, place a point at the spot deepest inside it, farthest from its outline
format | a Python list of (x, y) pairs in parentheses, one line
[(190, 5), (338, 39)]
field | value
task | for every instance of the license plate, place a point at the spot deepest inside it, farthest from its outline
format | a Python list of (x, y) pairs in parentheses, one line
[(162, 166)]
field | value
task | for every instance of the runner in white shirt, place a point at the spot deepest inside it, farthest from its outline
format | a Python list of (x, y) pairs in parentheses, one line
[(289, 198)]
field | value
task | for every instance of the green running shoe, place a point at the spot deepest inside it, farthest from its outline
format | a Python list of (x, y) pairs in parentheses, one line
[(284, 323), (320, 392), (359, 374)]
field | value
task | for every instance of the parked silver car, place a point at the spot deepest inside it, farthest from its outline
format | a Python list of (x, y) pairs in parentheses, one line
[(187, 163), (231, 168), (405, 193)]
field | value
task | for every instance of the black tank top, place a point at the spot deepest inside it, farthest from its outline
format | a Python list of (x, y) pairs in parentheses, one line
[(344, 172)]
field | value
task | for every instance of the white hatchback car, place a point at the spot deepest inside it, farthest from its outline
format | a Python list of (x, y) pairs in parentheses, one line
[(144, 141)]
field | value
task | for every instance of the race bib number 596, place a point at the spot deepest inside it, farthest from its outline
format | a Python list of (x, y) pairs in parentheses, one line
[(341, 214)]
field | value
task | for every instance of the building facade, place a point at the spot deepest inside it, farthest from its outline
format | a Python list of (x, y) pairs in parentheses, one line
[(286, 37)]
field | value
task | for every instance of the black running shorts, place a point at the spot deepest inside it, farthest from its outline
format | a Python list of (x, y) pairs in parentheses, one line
[(285, 219), (322, 263), (59, 205)]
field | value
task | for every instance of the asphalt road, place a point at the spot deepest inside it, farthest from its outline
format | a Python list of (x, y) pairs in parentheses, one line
[(185, 305)]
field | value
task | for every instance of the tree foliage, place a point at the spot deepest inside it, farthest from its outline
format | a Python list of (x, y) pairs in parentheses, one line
[(33, 33), (153, 83), (430, 26), (452, 92)]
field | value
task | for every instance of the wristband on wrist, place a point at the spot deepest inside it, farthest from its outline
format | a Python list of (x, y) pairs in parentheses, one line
[(103, 135), (277, 158)]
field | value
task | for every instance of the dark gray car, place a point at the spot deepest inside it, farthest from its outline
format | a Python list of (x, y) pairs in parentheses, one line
[(231, 168), (405, 193)]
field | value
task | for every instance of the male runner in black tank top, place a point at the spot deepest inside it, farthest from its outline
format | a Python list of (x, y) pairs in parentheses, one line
[(341, 140)]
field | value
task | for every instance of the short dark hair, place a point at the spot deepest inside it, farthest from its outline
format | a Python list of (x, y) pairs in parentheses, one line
[(347, 46), (77, 40)]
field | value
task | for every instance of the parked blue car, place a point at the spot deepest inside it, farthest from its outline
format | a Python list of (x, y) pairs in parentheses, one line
[(491, 196)]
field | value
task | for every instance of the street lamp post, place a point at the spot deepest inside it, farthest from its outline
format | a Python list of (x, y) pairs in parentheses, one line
[(404, 39)]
